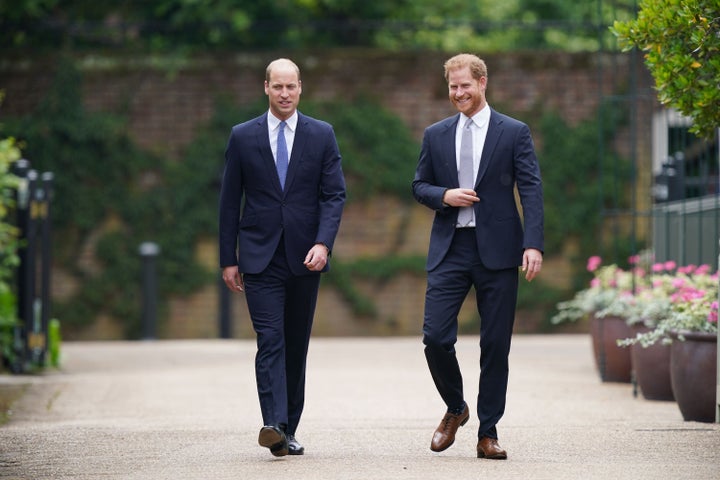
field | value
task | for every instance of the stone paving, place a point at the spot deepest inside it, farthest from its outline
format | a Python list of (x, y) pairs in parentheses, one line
[(188, 409)]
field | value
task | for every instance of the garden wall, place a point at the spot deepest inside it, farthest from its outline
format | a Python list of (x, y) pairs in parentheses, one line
[(166, 105)]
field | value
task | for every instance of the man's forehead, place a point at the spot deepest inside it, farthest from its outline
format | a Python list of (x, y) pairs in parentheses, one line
[(284, 77), (284, 81)]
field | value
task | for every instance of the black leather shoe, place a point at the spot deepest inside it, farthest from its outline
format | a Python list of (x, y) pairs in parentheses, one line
[(294, 447), (273, 437)]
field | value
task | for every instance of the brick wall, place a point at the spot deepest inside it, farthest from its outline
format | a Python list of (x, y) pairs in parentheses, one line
[(165, 109)]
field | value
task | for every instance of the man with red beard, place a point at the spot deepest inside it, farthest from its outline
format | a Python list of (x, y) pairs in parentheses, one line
[(469, 168)]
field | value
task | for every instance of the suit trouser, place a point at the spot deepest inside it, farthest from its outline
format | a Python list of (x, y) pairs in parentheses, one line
[(496, 297), (281, 306)]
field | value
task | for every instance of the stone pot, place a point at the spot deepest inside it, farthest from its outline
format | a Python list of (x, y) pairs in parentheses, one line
[(693, 370), (613, 362)]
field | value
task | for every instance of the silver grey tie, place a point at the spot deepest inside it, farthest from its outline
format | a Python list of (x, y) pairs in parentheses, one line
[(466, 176)]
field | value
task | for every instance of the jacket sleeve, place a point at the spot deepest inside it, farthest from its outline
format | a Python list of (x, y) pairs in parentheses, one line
[(230, 199)]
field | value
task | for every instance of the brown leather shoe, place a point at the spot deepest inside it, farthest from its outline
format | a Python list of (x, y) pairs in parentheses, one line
[(488, 448), (445, 434)]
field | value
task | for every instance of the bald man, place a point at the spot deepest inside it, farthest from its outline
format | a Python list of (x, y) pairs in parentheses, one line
[(281, 201)]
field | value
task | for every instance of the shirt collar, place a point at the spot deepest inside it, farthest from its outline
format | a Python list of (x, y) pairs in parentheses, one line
[(480, 119), (274, 122)]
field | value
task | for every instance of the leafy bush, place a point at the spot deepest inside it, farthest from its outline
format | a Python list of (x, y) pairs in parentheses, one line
[(578, 184), (9, 260), (682, 50)]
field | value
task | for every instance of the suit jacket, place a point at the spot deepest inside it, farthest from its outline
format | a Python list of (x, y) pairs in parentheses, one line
[(255, 212), (508, 160)]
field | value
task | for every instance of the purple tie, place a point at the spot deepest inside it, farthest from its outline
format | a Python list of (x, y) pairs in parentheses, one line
[(282, 155)]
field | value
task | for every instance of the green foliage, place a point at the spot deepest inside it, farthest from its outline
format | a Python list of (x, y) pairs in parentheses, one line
[(379, 155), (682, 50), (577, 184), (379, 152), (183, 26), (8, 326), (343, 276), (9, 153), (54, 340), (9, 259), (93, 159), (110, 196), (108, 201), (539, 298)]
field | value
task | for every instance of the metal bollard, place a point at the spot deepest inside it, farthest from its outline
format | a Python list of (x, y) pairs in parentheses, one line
[(47, 179), (149, 252)]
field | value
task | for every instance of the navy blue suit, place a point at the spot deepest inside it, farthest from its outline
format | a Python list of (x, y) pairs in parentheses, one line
[(267, 231), (486, 257)]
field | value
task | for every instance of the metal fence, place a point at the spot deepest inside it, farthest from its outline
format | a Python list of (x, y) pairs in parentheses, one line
[(31, 335)]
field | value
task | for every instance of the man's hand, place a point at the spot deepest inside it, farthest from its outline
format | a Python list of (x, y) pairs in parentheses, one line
[(233, 279), (532, 263), (316, 259), (460, 197)]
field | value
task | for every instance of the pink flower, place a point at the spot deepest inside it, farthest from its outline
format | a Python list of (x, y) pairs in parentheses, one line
[(678, 282), (670, 265), (702, 269), (713, 315), (595, 282), (658, 267), (634, 259), (593, 263)]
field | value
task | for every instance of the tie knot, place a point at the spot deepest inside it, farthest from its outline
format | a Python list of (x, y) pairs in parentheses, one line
[(469, 123), (282, 125)]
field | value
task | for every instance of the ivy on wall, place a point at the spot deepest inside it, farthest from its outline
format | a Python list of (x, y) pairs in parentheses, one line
[(111, 196), (379, 155), (581, 181)]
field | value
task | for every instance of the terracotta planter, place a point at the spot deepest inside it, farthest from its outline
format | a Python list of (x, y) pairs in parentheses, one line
[(693, 370), (652, 368), (613, 362)]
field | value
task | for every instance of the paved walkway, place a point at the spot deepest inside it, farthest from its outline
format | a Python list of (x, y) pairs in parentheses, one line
[(188, 410)]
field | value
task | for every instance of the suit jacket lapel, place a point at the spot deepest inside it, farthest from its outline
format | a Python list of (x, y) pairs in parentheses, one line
[(449, 152), (296, 154), (492, 137), (263, 139)]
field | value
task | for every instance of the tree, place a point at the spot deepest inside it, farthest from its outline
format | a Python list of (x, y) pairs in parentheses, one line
[(184, 26), (681, 41)]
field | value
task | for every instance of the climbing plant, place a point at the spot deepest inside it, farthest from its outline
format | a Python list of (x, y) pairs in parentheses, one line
[(105, 205), (110, 196)]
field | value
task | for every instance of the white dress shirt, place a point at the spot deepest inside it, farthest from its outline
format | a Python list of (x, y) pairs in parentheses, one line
[(274, 127), (479, 128)]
